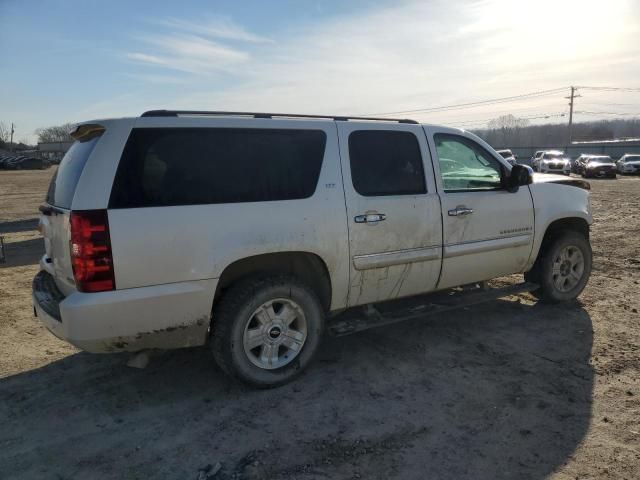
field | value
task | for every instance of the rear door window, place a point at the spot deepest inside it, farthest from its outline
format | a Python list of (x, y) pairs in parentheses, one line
[(65, 180), (191, 166), (386, 162)]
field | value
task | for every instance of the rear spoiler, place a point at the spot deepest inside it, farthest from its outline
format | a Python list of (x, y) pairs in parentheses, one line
[(86, 131)]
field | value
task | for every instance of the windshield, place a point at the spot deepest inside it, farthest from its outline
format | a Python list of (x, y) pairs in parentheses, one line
[(553, 156), (505, 153), (600, 159)]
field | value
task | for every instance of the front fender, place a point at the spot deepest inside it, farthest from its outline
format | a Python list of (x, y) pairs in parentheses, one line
[(552, 202)]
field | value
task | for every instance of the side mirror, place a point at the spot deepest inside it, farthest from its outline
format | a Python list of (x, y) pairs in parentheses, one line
[(520, 176)]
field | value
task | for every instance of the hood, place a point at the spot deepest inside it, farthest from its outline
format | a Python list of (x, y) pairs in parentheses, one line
[(561, 179), (601, 164)]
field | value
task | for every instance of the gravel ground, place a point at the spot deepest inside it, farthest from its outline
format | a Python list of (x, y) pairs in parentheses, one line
[(509, 389)]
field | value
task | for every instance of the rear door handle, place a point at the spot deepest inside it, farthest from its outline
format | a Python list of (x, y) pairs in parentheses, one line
[(460, 211), (370, 218)]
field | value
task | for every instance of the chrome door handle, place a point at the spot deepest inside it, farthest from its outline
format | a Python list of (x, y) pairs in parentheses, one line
[(460, 211), (370, 218)]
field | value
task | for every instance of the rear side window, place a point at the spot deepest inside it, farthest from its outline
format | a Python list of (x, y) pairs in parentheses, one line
[(65, 180), (386, 162), (191, 166)]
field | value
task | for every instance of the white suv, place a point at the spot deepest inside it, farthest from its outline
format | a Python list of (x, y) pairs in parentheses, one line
[(552, 161), (250, 232)]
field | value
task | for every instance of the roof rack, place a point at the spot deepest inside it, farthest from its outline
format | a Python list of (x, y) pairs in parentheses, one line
[(337, 118)]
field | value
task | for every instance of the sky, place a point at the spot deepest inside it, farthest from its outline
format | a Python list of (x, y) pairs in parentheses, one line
[(69, 60)]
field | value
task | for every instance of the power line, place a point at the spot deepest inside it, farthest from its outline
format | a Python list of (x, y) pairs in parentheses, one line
[(516, 111), (606, 104), (613, 89), (533, 117), (583, 112), (474, 104)]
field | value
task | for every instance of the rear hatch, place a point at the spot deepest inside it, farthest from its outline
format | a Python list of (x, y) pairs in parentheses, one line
[(54, 221)]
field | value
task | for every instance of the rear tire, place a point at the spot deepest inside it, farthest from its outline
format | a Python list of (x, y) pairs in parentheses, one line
[(266, 331), (562, 269)]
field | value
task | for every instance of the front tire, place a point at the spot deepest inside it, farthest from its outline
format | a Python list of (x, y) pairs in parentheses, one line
[(266, 331), (562, 269)]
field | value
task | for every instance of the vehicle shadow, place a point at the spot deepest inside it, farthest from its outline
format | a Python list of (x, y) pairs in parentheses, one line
[(502, 390), (15, 226), (24, 252)]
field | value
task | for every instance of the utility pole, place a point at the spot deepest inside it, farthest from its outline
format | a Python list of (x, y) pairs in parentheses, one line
[(11, 142), (571, 97)]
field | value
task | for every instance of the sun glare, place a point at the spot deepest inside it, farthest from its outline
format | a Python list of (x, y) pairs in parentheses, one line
[(551, 30)]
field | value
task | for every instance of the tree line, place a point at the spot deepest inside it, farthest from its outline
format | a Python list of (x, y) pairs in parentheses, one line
[(509, 131), (57, 133)]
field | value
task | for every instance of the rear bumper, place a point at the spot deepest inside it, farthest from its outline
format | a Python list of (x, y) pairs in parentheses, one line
[(601, 172), (174, 315)]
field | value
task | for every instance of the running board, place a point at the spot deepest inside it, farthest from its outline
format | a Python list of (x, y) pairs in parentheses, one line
[(371, 316)]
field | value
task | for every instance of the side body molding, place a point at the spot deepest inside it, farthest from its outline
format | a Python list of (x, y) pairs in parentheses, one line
[(398, 257)]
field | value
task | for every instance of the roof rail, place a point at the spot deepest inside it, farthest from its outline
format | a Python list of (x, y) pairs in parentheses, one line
[(337, 118)]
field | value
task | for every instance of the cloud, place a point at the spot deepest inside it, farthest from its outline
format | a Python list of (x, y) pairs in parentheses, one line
[(404, 56), (217, 27), (146, 58), (188, 53)]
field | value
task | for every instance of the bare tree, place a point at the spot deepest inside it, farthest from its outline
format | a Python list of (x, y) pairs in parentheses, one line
[(507, 122), (5, 132), (58, 133), (507, 128), (549, 135)]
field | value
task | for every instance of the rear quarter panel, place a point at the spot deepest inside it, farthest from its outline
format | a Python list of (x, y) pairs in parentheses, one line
[(158, 245), (94, 186)]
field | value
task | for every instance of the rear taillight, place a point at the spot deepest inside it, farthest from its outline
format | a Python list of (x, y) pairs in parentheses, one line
[(91, 256)]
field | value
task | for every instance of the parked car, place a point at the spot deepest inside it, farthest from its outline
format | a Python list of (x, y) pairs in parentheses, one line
[(578, 164), (11, 162), (628, 164), (508, 156), (250, 232), (599, 166), (552, 161), (21, 162), (536, 156)]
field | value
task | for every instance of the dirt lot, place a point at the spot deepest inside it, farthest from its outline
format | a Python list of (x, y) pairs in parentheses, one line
[(510, 389)]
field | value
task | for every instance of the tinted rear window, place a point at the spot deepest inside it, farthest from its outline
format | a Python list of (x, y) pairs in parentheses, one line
[(190, 166), (386, 162), (64, 181)]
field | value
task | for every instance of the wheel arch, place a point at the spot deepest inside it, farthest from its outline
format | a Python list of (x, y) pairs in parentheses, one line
[(308, 267), (576, 224), (558, 226)]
